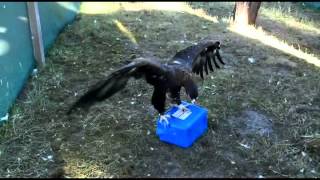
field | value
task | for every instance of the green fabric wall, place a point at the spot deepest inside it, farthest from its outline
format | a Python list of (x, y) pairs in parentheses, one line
[(54, 16), (16, 52), (314, 5)]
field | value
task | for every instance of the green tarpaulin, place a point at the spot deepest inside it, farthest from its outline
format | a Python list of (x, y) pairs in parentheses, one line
[(314, 5), (16, 51)]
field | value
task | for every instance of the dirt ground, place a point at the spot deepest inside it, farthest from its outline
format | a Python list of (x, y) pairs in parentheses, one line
[(264, 118)]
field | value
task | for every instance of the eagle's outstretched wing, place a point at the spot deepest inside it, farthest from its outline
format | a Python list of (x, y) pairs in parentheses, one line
[(198, 57), (151, 70)]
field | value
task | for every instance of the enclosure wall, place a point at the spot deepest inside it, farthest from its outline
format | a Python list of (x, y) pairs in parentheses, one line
[(314, 5), (16, 51)]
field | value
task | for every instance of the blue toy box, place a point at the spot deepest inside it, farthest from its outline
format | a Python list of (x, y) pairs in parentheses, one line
[(184, 127)]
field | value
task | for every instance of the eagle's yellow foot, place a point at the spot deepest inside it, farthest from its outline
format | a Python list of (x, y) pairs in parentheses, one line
[(164, 118)]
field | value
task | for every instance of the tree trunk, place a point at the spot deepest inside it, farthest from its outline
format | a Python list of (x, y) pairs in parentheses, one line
[(245, 13)]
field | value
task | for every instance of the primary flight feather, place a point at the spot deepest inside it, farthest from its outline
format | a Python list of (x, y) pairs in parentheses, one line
[(165, 78)]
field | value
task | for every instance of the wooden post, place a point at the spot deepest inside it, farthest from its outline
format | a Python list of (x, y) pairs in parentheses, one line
[(36, 34)]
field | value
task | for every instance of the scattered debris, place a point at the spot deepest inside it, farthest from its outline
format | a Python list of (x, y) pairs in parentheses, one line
[(245, 146), (48, 158), (251, 60)]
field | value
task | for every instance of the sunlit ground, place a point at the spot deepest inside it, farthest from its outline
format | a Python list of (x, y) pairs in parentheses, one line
[(289, 20), (81, 169), (260, 35), (125, 31), (112, 7), (249, 32)]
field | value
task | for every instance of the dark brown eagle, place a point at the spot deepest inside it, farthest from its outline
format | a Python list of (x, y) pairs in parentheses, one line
[(168, 77)]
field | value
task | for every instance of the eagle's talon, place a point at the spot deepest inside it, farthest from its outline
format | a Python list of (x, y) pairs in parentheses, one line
[(164, 118)]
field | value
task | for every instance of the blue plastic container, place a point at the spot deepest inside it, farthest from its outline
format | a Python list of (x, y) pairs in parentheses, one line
[(184, 128)]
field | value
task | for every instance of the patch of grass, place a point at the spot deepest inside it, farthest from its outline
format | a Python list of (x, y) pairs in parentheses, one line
[(116, 138), (272, 41), (291, 15)]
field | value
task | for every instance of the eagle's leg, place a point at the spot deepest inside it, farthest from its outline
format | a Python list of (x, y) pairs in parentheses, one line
[(164, 118), (191, 90), (175, 98), (158, 101)]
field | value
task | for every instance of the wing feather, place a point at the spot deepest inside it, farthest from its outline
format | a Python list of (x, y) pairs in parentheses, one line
[(209, 61), (207, 52), (199, 57), (118, 79)]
